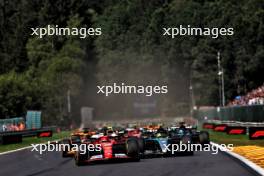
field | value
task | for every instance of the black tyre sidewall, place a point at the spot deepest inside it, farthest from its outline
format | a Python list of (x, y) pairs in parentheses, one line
[(133, 149)]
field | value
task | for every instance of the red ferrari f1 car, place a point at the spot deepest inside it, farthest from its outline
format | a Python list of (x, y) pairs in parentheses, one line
[(117, 147)]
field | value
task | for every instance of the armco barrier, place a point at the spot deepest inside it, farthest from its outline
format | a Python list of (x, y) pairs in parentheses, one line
[(10, 139), (208, 126), (252, 113), (16, 136), (227, 127), (256, 133)]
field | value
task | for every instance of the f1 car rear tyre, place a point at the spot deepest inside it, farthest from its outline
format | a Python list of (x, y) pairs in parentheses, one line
[(64, 154), (187, 140), (141, 145), (65, 149), (80, 158), (204, 137), (133, 149)]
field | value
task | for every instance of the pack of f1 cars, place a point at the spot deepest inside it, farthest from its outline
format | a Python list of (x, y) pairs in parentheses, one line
[(75, 139), (132, 143)]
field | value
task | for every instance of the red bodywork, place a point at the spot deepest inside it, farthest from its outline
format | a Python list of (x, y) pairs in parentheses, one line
[(107, 144)]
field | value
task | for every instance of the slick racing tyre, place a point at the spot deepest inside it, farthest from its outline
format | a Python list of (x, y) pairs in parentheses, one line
[(66, 148), (141, 145), (187, 140), (132, 148), (80, 158), (204, 137)]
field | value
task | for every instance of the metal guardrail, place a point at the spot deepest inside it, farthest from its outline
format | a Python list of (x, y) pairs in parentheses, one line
[(249, 113), (237, 123), (28, 133)]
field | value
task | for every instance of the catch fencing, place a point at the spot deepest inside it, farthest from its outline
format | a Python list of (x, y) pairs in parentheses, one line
[(252, 113)]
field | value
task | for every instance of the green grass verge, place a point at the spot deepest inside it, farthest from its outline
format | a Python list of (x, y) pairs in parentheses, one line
[(237, 140), (27, 141)]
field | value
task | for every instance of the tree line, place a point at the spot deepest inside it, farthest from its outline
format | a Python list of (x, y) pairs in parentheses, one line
[(38, 73)]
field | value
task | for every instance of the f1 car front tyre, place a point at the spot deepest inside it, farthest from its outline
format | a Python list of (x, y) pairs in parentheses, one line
[(141, 145), (80, 158), (204, 137), (133, 149), (187, 140), (66, 149)]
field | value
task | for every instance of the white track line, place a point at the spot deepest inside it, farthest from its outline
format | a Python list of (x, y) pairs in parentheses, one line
[(244, 160), (16, 150), (24, 148)]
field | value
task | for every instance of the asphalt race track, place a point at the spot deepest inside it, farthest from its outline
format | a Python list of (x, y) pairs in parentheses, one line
[(27, 163)]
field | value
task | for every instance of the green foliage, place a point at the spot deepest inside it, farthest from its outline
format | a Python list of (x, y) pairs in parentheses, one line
[(58, 71), (51, 72), (38, 73), (133, 29), (15, 92)]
